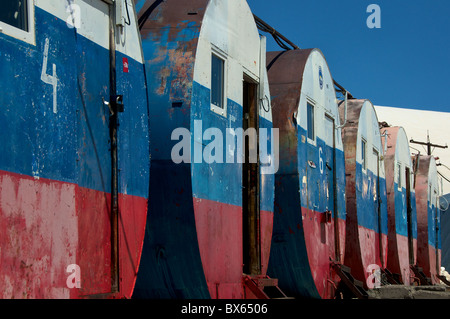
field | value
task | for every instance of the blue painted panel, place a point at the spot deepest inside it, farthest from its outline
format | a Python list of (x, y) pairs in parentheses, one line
[(289, 257), (163, 75), (414, 215), (71, 145), (133, 134), (431, 225), (401, 223), (444, 234), (367, 209), (38, 142), (383, 208), (315, 196), (433, 238), (222, 182)]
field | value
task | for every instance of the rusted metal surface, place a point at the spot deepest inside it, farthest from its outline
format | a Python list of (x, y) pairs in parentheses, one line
[(204, 202), (189, 14), (280, 38), (56, 182), (285, 84)]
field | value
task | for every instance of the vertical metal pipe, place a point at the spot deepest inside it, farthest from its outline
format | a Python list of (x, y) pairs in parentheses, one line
[(251, 213), (380, 237), (113, 124), (335, 195), (408, 215)]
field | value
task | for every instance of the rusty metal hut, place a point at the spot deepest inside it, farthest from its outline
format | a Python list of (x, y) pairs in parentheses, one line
[(211, 206), (309, 219), (428, 217), (366, 228), (402, 218)]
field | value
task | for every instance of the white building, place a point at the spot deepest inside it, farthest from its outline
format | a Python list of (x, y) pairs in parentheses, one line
[(418, 124)]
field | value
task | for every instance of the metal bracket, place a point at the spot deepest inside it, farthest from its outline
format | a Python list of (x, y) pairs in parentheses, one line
[(106, 103), (115, 104)]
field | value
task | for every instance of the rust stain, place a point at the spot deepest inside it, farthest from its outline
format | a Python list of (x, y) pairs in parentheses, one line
[(164, 74), (183, 65)]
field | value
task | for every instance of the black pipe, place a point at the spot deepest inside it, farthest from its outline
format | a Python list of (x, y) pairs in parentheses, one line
[(113, 124)]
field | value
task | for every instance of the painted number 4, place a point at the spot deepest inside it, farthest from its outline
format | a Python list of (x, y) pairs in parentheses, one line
[(50, 79)]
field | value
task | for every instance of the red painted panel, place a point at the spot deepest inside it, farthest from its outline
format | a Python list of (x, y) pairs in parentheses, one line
[(370, 253), (94, 242), (94, 248), (320, 245), (219, 234), (220, 239), (38, 236), (398, 261), (46, 225), (132, 221)]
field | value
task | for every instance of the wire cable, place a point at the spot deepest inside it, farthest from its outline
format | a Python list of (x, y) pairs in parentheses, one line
[(282, 41), (147, 13)]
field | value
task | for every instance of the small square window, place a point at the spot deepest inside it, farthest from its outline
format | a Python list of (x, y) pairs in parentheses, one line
[(217, 81), (310, 121), (399, 175), (15, 13)]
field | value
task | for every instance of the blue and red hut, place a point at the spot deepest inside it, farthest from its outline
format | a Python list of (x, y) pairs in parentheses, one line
[(74, 165), (401, 202), (309, 218), (366, 228)]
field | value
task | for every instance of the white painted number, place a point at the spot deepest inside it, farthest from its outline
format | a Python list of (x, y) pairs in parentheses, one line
[(50, 79)]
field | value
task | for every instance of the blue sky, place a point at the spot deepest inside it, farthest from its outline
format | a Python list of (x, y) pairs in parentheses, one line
[(405, 63)]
